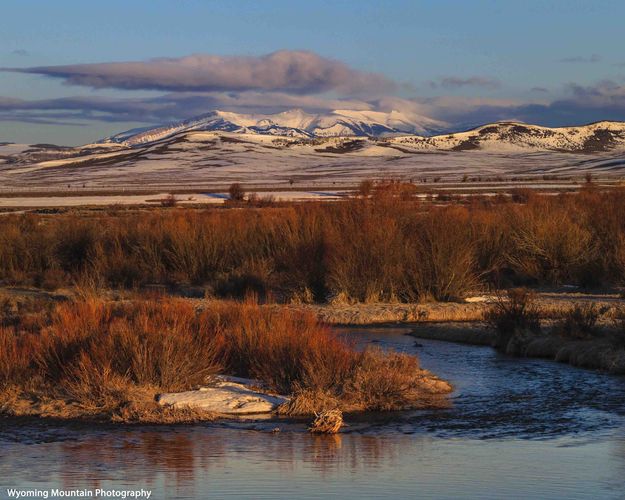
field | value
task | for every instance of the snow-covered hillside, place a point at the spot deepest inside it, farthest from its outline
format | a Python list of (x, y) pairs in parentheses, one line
[(291, 147), (293, 123), (514, 136), (394, 129)]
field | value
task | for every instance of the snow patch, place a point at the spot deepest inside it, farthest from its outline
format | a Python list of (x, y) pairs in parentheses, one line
[(227, 396)]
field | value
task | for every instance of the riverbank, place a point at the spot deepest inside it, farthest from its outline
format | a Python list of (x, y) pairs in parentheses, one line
[(549, 304), (130, 359), (509, 418), (603, 353), (164, 360)]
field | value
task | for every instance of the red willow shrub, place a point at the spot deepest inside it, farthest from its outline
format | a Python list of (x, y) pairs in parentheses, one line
[(385, 246), (99, 353)]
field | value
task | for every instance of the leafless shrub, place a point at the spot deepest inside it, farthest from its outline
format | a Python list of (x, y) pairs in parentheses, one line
[(169, 201), (579, 321), (236, 192), (513, 313), (386, 247)]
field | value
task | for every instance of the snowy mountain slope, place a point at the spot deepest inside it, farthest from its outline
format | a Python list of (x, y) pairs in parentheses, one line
[(515, 136), (293, 123), (401, 130), (215, 159), (248, 151)]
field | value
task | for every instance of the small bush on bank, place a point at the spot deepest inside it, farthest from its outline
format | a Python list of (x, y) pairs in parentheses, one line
[(513, 313), (384, 381), (579, 322), (236, 192), (169, 201)]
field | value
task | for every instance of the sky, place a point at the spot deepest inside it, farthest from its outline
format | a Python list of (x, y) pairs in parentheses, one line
[(72, 72)]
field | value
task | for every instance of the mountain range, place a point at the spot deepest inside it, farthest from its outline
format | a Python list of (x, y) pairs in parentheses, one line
[(393, 129), (294, 123), (343, 146)]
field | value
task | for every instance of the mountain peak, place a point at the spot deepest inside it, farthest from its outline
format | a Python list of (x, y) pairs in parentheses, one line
[(294, 123)]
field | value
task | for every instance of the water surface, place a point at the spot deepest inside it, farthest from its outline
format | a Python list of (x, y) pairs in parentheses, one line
[(517, 429)]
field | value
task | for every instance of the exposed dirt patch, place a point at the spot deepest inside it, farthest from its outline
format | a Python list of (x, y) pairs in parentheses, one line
[(344, 147), (470, 144), (601, 140)]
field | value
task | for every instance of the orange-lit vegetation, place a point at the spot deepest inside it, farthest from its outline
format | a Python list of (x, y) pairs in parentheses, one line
[(382, 245), (100, 358)]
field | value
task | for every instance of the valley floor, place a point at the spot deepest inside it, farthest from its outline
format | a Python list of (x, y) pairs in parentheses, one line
[(65, 198)]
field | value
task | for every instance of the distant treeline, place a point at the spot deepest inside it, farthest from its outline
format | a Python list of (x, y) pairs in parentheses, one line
[(380, 246)]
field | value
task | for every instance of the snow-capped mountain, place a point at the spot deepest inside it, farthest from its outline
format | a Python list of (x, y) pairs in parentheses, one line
[(274, 151), (293, 123), (516, 136)]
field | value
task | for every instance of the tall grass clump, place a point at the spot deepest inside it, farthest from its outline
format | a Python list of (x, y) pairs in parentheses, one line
[(514, 314), (285, 349), (91, 347), (99, 355), (579, 321)]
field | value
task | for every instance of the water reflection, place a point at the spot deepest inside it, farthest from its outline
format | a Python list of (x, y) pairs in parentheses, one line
[(183, 458), (520, 428), (198, 462)]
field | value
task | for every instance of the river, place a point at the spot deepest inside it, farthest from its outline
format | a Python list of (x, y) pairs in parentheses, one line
[(517, 428)]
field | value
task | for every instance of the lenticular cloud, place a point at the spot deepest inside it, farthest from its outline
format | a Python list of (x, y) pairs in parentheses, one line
[(289, 71)]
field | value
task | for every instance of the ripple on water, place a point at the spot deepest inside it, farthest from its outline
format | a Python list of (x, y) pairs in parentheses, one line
[(517, 428), (497, 396)]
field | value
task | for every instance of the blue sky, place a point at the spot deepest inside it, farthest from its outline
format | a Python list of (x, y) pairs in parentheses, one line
[(460, 62)]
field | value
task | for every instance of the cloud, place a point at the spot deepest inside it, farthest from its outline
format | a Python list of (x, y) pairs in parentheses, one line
[(168, 107), (594, 58), (455, 82), (603, 95), (298, 72), (577, 104), (59, 119)]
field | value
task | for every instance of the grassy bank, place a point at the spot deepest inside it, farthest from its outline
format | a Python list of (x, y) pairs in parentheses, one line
[(385, 245), (549, 305), (585, 334), (108, 360)]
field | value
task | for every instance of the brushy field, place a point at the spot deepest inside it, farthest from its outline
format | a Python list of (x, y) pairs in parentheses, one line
[(383, 245), (100, 359)]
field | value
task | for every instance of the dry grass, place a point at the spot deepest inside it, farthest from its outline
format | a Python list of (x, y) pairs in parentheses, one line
[(152, 413), (108, 360), (385, 245), (327, 422), (309, 401), (513, 314)]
